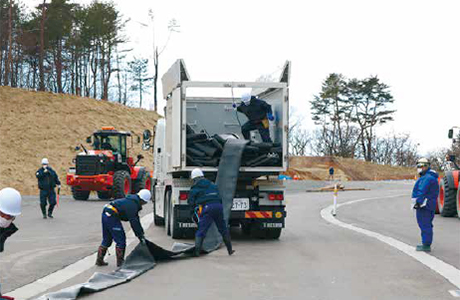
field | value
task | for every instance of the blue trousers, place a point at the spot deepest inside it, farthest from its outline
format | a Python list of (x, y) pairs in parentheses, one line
[(264, 132), (112, 230), (213, 212), (425, 222), (48, 195)]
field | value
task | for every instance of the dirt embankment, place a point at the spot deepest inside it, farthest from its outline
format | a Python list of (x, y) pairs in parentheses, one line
[(345, 169), (34, 125)]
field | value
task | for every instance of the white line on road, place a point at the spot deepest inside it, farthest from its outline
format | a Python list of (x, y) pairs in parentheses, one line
[(45, 283), (447, 271)]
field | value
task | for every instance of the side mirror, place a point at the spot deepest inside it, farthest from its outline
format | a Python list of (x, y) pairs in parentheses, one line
[(147, 135), (452, 158), (451, 133), (89, 140)]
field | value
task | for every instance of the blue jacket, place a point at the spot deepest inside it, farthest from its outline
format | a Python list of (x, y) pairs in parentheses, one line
[(427, 187), (128, 210), (203, 191), (47, 180), (256, 111)]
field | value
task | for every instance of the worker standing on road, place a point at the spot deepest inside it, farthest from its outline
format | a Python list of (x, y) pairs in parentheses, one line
[(47, 182), (206, 203), (259, 113), (331, 173), (10, 208), (125, 209), (424, 196)]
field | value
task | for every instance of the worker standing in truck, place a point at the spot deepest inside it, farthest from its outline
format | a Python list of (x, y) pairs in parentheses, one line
[(125, 209), (206, 203), (424, 197), (10, 208), (47, 182), (259, 113)]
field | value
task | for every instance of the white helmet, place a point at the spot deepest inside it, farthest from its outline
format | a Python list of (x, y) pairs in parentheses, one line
[(246, 98), (45, 161), (10, 202), (145, 195), (423, 162), (196, 173)]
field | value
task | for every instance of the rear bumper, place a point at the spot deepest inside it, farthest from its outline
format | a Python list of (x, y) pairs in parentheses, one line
[(266, 217), (102, 182)]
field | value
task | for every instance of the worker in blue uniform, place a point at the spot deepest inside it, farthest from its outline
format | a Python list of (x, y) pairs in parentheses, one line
[(206, 203), (47, 182), (125, 209), (424, 196), (259, 113)]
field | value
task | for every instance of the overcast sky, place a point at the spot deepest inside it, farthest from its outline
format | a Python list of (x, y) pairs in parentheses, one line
[(411, 45)]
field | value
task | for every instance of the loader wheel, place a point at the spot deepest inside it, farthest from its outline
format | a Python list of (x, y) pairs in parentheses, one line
[(143, 183), (80, 195), (104, 195), (458, 203), (447, 194), (121, 184)]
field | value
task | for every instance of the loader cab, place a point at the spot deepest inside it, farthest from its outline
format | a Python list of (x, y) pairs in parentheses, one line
[(109, 139)]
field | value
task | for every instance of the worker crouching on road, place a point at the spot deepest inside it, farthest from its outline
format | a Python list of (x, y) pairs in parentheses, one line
[(10, 208), (258, 112), (47, 182), (424, 196), (206, 203), (125, 209)]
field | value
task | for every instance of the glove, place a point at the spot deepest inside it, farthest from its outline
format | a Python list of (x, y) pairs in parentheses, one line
[(416, 206), (270, 117), (142, 240), (45, 169), (59, 186)]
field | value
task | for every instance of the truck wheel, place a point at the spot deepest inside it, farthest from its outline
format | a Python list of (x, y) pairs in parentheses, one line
[(447, 194), (121, 184), (80, 195), (273, 233), (103, 195), (143, 183), (168, 212)]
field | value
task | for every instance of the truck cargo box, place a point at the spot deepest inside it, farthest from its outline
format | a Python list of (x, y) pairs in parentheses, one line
[(200, 117)]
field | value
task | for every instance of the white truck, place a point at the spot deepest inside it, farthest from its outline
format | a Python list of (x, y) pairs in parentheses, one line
[(206, 108)]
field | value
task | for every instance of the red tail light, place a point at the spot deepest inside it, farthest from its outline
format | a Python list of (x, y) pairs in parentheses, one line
[(183, 196), (275, 197)]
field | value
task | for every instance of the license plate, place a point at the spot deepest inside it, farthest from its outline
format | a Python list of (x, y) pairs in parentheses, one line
[(240, 204)]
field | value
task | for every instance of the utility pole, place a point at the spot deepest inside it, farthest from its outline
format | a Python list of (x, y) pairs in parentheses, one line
[(42, 48), (8, 67)]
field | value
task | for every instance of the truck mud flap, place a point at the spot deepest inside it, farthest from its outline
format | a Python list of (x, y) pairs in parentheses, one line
[(139, 261), (227, 177)]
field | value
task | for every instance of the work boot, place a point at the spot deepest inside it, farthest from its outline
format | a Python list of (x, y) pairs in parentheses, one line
[(120, 256), (50, 212), (100, 256), (228, 243), (424, 248), (198, 244)]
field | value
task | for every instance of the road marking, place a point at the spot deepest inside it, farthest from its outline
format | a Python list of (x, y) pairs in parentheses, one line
[(447, 271), (45, 283)]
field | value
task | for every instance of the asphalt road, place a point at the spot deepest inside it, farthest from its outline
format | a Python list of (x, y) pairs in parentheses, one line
[(313, 259)]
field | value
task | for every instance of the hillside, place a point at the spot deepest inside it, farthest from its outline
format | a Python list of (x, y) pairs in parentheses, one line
[(34, 125), (345, 169)]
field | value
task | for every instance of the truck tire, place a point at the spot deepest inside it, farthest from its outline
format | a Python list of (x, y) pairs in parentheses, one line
[(121, 184), (104, 195), (80, 195), (145, 182), (447, 194), (168, 212), (273, 234)]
